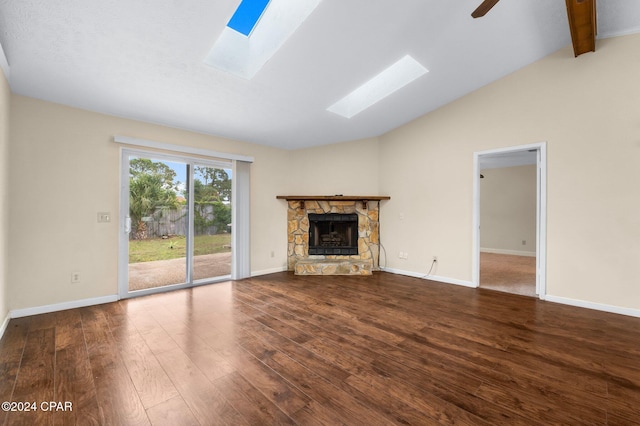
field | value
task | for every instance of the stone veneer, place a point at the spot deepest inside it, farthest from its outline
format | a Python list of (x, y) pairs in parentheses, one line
[(363, 263)]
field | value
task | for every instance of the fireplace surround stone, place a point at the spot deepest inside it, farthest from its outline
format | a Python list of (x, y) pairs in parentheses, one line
[(363, 263)]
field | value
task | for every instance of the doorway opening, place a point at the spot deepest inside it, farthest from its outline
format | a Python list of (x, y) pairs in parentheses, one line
[(510, 220)]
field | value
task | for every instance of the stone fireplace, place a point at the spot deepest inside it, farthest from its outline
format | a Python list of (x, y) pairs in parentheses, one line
[(333, 235)]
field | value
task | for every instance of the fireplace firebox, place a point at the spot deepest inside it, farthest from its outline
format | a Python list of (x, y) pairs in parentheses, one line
[(333, 234)]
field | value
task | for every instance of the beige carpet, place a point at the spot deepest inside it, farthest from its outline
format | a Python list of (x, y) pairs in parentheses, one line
[(508, 273), (160, 273)]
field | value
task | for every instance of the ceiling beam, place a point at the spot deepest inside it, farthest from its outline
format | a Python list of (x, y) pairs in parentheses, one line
[(484, 7), (583, 26)]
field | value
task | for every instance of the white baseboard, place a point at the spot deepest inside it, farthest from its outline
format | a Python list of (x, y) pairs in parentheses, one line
[(18, 313), (447, 280), (429, 277), (5, 324), (592, 305), (549, 298), (268, 271), (511, 252)]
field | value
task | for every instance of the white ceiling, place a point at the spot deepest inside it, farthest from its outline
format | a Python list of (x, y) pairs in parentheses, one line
[(143, 59)]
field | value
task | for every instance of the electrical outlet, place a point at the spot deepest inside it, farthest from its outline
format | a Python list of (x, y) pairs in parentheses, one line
[(75, 277), (273, 254), (524, 242), (435, 258), (401, 255)]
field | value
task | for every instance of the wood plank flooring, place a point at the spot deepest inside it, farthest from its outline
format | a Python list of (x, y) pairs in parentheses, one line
[(508, 273), (281, 349)]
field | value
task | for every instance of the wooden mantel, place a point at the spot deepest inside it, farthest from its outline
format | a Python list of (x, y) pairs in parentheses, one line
[(363, 198)]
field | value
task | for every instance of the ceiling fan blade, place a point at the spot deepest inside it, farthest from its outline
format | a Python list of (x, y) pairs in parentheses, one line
[(484, 7), (583, 25)]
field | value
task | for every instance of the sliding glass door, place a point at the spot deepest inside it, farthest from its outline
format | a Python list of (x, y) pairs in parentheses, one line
[(178, 222), (158, 223), (211, 222)]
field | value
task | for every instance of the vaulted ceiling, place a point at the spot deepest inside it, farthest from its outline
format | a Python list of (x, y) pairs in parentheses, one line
[(143, 60)]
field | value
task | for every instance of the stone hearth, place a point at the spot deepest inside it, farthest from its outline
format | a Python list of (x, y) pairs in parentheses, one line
[(334, 267), (363, 263)]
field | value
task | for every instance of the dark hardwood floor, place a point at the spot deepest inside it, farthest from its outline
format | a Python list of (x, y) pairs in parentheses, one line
[(282, 349)]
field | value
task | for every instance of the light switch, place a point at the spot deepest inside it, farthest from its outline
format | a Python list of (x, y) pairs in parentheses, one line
[(104, 217)]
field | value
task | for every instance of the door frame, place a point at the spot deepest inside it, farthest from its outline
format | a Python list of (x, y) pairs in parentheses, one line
[(123, 234), (541, 212)]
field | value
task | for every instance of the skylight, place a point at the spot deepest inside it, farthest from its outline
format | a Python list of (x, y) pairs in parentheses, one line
[(379, 87), (247, 15), (244, 56)]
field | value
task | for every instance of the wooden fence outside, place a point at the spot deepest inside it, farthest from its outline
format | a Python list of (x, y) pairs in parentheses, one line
[(165, 221)]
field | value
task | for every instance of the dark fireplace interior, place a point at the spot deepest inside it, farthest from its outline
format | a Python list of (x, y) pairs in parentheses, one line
[(333, 233)]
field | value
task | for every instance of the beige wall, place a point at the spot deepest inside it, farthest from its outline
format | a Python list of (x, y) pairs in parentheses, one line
[(508, 210), (349, 168), (4, 197), (586, 109), (65, 169)]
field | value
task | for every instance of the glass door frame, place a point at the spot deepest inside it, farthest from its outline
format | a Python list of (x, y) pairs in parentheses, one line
[(125, 223)]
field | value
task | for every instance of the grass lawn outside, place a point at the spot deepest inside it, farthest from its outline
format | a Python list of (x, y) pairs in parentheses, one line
[(176, 246)]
